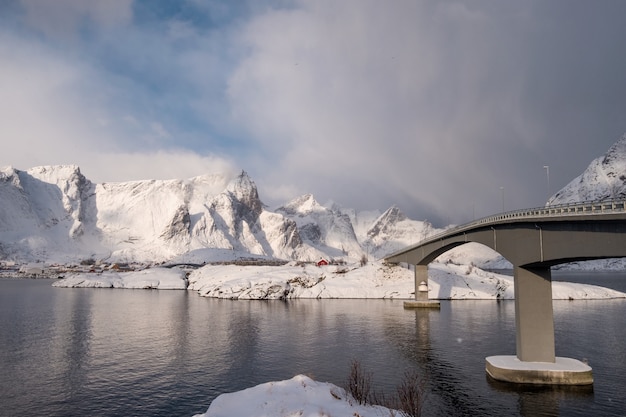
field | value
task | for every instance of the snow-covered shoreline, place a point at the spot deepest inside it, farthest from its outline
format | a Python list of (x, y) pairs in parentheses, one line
[(152, 278), (292, 281)]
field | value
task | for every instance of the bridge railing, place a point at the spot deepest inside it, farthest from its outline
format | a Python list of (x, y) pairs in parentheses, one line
[(571, 209)]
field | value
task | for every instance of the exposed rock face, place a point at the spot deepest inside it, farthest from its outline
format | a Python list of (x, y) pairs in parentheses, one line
[(41, 205), (179, 226), (387, 221), (243, 191), (393, 231)]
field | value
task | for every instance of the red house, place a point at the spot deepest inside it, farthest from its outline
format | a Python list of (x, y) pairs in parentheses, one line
[(322, 262)]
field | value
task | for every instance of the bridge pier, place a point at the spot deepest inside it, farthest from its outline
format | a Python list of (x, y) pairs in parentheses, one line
[(421, 293), (536, 362), (421, 275), (534, 318)]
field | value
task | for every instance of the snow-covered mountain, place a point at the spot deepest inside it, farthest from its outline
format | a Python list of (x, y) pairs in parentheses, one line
[(604, 179), (54, 213)]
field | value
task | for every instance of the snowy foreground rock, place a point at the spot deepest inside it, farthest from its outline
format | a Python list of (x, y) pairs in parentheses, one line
[(299, 396), (291, 281)]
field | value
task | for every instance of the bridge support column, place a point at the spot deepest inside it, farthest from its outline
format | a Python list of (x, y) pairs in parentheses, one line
[(536, 362), (421, 295), (421, 275), (534, 319)]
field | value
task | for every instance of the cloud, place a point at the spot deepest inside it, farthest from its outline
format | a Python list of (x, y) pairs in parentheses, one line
[(158, 164), (64, 18), (432, 106), (57, 110), (386, 98), (41, 108)]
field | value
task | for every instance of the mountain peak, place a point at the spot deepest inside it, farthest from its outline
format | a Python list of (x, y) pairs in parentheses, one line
[(604, 178), (617, 152), (393, 214), (302, 206), (59, 170), (389, 219), (242, 186), (244, 190)]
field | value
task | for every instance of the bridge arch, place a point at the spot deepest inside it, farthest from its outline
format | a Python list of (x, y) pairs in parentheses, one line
[(536, 243)]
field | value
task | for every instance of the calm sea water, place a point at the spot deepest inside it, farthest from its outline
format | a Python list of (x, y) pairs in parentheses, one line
[(102, 352)]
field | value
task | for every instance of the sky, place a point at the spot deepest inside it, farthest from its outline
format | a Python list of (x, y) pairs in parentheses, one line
[(450, 110)]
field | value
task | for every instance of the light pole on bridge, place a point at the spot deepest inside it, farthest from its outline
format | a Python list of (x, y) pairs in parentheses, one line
[(547, 168), (502, 192)]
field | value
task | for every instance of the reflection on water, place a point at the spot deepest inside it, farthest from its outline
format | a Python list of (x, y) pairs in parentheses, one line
[(542, 400), (69, 352)]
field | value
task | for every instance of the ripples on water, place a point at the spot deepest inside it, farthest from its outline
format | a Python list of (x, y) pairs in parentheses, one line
[(76, 352)]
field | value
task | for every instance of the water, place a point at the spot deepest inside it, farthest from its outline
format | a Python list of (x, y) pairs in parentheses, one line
[(77, 352)]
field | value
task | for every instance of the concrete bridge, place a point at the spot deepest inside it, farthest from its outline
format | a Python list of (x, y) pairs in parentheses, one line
[(533, 240)]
